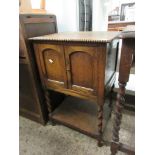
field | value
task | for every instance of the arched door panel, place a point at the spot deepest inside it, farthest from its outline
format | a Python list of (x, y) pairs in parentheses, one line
[(81, 66)]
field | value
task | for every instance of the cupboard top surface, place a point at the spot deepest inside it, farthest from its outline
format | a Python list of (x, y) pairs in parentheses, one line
[(96, 37)]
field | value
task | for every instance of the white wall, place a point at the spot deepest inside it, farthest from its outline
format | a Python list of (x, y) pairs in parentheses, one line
[(66, 12), (100, 15)]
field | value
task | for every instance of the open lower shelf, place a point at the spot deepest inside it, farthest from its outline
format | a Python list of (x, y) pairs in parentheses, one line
[(80, 115)]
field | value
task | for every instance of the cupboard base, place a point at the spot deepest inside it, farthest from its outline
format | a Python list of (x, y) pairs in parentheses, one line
[(80, 115)]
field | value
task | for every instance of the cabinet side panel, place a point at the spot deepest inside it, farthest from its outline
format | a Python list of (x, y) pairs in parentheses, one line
[(27, 98), (111, 60)]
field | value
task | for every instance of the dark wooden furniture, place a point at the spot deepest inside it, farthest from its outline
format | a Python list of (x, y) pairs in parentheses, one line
[(118, 25), (127, 57), (31, 99), (78, 64)]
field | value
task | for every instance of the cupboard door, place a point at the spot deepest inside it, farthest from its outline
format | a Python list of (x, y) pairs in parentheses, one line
[(52, 64), (81, 64)]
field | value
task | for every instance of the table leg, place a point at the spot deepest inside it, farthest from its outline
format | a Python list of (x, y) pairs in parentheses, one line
[(100, 125), (48, 101), (49, 106), (117, 119)]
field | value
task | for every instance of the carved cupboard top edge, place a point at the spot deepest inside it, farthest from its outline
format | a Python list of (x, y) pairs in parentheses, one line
[(94, 37)]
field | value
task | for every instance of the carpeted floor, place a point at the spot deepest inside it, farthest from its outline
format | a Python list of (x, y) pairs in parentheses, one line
[(36, 139)]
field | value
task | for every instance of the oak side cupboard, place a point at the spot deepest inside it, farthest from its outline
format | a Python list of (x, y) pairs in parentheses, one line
[(82, 66)]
